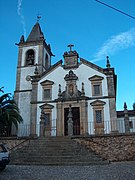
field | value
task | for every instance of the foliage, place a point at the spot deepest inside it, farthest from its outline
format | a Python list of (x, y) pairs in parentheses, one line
[(9, 112)]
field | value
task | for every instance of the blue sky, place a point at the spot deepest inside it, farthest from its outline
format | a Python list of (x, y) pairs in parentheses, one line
[(95, 30)]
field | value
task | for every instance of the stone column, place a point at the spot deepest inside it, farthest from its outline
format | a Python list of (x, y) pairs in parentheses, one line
[(126, 119), (70, 122)]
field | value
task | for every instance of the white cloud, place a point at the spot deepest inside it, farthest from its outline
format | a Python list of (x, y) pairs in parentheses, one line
[(116, 43), (20, 13), (19, 7)]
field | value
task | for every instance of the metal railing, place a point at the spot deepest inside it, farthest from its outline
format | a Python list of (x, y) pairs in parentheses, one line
[(5, 131), (90, 128)]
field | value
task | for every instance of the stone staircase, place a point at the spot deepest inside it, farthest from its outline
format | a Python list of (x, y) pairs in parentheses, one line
[(54, 151)]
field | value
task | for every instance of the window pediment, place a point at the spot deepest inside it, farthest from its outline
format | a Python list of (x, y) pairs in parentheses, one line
[(98, 103), (47, 82), (96, 78), (47, 106)]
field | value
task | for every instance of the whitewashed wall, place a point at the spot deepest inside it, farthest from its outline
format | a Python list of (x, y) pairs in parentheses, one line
[(24, 106), (83, 73)]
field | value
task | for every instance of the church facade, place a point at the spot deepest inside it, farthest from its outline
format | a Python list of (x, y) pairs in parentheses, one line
[(70, 97)]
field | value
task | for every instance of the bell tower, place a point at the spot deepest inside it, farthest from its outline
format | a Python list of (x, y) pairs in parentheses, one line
[(34, 53)]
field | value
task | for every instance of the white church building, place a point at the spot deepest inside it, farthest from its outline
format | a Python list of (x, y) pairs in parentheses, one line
[(71, 97)]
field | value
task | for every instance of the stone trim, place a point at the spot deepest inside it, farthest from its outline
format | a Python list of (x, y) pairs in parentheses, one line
[(47, 85), (23, 91), (46, 130), (46, 106), (98, 105), (47, 82), (83, 106), (93, 66), (96, 78), (52, 68), (25, 60)]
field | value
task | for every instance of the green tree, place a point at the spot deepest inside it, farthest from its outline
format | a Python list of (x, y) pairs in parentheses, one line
[(9, 113)]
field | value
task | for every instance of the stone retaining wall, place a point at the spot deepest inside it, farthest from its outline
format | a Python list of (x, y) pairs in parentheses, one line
[(111, 147), (118, 147)]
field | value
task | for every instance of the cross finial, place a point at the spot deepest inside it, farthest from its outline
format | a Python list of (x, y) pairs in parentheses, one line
[(70, 46), (38, 18)]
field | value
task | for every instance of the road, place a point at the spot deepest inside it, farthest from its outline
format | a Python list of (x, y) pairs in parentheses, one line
[(113, 171)]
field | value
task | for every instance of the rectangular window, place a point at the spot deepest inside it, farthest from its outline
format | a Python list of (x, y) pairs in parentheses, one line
[(96, 90), (98, 114), (47, 94), (47, 119)]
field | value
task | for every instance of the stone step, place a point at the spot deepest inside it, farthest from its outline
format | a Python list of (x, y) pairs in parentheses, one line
[(49, 156), (63, 158), (61, 163), (54, 151)]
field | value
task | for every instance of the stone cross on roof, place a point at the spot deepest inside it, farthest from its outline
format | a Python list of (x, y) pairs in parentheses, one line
[(70, 46)]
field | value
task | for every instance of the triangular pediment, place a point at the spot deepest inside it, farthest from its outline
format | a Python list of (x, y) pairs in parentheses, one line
[(47, 106), (96, 78), (47, 82), (98, 103)]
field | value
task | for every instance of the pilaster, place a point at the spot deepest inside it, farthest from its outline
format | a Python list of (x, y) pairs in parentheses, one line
[(113, 115), (40, 58), (59, 127), (33, 120), (111, 83), (84, 118)]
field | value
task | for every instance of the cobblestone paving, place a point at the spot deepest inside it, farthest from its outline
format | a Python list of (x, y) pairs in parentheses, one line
[(113, 171)]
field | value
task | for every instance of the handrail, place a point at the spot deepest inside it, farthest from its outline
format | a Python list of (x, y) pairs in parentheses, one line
[(28, 139)]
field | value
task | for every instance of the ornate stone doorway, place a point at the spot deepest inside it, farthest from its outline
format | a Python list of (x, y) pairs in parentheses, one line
[(76, 120)]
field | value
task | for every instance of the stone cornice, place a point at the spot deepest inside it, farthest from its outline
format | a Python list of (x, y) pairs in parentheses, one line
[(93, 66), (52, 68), (27, 90)]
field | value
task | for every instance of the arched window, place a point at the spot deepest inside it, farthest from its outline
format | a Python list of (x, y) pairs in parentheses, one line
[(30, 57)]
